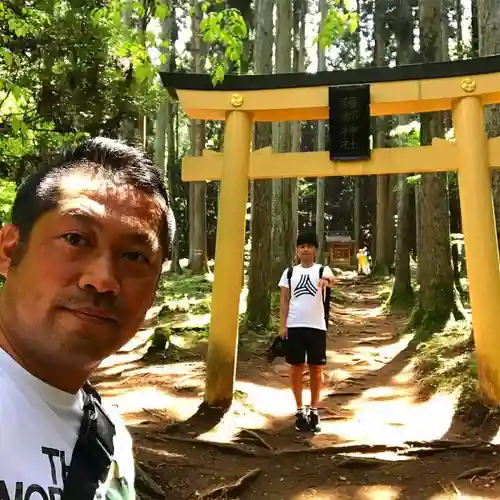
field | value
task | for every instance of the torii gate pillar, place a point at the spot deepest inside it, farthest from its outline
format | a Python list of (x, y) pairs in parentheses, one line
[(229, 252), (481, 248)]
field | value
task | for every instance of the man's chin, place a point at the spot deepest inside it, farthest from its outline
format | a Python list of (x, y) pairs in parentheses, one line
[(87, 356), (87, 345)]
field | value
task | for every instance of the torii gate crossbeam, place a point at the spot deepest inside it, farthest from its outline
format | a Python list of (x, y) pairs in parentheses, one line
[(464, 87)]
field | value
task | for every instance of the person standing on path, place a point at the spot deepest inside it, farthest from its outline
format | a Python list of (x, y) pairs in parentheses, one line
[(303, 324), (81, 260)]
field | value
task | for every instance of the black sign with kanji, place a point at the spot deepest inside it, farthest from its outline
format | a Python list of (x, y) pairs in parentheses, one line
[(349, 116)]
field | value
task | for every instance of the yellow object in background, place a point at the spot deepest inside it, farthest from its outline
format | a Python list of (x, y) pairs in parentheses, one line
[(363, 261)]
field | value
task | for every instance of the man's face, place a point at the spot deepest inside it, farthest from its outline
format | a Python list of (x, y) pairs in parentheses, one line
[(306, 252), (88, 274)]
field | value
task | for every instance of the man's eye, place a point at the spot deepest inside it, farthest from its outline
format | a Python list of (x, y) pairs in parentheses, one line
[(136, 257), (75, 239)]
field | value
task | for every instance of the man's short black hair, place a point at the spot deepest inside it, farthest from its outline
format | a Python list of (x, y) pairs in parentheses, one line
[(120, 163), (307, 238)]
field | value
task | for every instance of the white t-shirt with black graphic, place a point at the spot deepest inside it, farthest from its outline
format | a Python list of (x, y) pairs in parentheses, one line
[(306, 302), (39, 426)]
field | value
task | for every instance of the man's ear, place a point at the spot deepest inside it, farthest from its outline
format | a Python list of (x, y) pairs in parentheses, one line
[(9, 246)]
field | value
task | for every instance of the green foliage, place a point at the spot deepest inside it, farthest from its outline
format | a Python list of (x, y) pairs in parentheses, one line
[(7, 195), (185, 293), (69, 69), (182, 321), (225, 31), (338, 21), (406, 136)]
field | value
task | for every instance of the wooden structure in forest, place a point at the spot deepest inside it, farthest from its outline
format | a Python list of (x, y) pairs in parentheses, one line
[(339, 248), (464, 87)]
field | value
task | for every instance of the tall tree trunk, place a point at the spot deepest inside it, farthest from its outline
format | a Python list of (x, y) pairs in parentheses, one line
[(299, 42), (259, 275), (283, 238), (488, 16), (198, 192), (357, 179), (172, 161), (459, 33), (320, 183), (127, 126), (381, 265), (390, 241), (474, 29), (165, 135), (402, 292), (142, 119), (437, 297)]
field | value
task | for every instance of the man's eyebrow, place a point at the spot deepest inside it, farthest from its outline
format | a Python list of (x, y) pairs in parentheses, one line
[(141, 238), (81, 216)]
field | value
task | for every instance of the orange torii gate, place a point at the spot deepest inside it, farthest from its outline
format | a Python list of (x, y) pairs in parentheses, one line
[(347, 98)]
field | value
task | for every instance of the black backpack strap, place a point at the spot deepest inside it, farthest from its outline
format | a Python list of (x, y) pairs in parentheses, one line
[(289, 273), (326, 297), (93, 451), (321, 271)]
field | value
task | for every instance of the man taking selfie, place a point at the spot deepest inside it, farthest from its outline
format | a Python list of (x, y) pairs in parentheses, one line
[(81, 262)]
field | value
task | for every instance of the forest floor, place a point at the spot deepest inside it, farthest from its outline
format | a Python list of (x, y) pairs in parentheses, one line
[(383, 437)]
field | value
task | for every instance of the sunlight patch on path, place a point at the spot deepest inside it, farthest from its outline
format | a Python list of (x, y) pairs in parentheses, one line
[(355, 492), (176, 407), (238, 417), (458, 496), (159, 395), (268, 400), (496, 438), (378, 492), (393, 414)]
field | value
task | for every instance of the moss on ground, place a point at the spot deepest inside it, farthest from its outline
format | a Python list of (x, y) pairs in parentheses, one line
[(447, 361)]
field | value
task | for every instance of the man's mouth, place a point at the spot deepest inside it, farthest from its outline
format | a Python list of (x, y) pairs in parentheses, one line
[(94, 313)]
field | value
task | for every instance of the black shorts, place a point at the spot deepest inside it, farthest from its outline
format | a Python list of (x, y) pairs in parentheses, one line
[(302, 341)]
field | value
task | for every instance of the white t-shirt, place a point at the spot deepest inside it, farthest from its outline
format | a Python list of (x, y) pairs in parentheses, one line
[(39, 427), (306, 302)]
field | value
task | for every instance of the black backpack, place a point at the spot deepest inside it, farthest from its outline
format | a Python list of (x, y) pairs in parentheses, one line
[(278, 349), (93, 450), (327, 293)]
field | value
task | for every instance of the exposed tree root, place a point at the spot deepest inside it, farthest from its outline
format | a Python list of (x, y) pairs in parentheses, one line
[(258, 438), (233, 490), (360, 462), (156, 414), (410, 448), (334, 417), (476, 471), (235, 449), (147, 484), (341, 449), (444, 446), (343, 393), (442, 443)]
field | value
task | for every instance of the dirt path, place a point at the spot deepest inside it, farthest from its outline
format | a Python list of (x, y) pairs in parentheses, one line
[(371, 397)]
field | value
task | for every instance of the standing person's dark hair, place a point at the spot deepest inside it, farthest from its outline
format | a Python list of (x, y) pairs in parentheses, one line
[(307, 238), (81, 262)]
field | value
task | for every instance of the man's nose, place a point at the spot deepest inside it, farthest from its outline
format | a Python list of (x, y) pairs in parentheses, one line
[(100, 274)]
